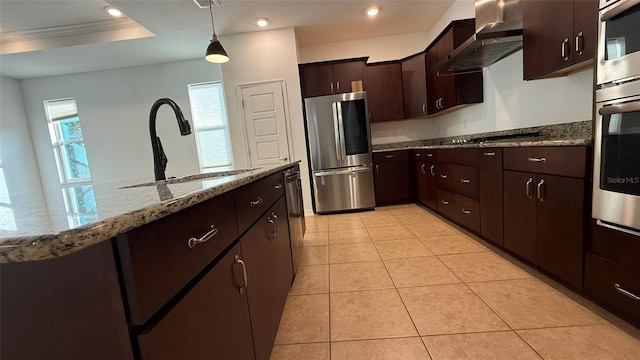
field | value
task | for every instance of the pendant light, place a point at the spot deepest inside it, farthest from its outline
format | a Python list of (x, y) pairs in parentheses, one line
[(215, 51)]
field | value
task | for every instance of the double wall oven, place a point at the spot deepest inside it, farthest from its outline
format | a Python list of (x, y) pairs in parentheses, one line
[(616, 191)]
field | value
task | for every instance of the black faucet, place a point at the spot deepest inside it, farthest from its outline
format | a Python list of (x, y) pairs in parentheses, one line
[(159, 157)]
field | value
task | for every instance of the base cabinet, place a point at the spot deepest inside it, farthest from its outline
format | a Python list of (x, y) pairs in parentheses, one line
[(490, 170), (544, 221), (210, 322), (266, 251), (392, 178)]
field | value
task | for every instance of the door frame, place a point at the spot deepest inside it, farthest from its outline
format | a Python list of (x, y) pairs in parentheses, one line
[(287, 118)]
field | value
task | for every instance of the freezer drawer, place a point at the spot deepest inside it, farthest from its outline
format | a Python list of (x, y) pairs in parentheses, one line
[(343, 189)]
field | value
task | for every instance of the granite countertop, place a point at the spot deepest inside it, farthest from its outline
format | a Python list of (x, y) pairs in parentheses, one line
[(119, 210), (492, 144)]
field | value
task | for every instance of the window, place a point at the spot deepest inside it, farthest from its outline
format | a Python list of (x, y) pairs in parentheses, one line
[(7, 218), (71, 158), (210, 125)]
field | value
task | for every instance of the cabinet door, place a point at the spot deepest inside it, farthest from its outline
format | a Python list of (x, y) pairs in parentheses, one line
[(546, 25), (393, 183), (384, 91), (560, 219), (520, 214), (317, 80), (440, 94), (346, 72), (414, 86), (585, 29), (432, 196), (420, 178), (491, 194), (267, 253), (210, 322)]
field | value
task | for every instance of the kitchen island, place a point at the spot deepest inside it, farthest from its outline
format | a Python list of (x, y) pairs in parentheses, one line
[(189, 270)]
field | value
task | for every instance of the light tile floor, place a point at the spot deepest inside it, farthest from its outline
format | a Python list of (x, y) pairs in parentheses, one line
[(401, 283)]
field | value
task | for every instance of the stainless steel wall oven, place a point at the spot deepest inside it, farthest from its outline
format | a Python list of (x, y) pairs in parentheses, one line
[(616, 180)]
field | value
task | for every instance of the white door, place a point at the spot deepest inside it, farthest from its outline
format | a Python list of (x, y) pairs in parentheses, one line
[(266, 123)]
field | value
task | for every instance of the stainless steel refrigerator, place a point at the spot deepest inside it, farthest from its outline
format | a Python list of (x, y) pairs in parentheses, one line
[(339, 140)]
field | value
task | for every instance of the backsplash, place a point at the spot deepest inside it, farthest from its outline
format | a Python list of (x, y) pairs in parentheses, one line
[(573, 130)]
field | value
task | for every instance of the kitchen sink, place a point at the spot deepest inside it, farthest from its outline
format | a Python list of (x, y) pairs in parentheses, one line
[(187, 178)]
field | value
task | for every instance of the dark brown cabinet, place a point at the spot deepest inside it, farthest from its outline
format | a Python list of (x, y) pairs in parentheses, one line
[(414, 85), (266, 250), (544, 211), (490, 168), (612, 271), (392, 178), (420, 176), (559, 36), (450, 91), (333, 77), (211, 321), (384, 91)]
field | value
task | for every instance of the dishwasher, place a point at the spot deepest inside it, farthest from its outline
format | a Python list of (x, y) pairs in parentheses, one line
[(295, 213)]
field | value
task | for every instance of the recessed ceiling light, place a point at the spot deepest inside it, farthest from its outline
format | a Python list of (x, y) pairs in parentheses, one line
[(262, 22), (373, 11), (113, 11)]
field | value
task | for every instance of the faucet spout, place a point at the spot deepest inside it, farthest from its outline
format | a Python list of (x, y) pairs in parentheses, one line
[(159, 157)]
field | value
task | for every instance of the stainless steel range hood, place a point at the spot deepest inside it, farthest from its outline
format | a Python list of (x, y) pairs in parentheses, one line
[(498, 34)]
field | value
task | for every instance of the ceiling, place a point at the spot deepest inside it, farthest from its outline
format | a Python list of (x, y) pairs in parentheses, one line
[(54, 37)]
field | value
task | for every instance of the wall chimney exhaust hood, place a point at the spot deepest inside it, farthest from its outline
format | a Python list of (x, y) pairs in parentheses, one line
[(498, 35)]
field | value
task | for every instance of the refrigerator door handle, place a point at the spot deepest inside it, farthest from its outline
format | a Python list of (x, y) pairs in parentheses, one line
[(343, 151), (347, 171), (336, 130)]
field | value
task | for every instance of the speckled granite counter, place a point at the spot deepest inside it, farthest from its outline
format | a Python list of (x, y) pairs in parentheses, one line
[(570, 134), (119, 210)]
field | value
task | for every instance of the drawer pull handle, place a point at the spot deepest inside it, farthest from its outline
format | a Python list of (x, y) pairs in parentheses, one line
[(465, 181), (206, 237), (389, 156), (444, 202), (465, 211), (422, 168), (444, 176), (489, 154), (418, 154), (429, 154), (532, 159), (244, 272), (432, 170), (626, 292), (256, 202), (539, 191), (277, 186), (277, 223), (527, 188)]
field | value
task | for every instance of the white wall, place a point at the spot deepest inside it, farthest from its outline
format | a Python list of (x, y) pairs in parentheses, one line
[(509, 102), (259, 57), (19, 166)]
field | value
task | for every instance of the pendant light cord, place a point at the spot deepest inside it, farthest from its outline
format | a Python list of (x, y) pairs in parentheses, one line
[(211, 13)]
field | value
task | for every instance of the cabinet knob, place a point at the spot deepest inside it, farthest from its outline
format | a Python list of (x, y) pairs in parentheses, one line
[(445, 202), (444, 176), (465, 181), (256, 202), (277, 186), (466, 211)]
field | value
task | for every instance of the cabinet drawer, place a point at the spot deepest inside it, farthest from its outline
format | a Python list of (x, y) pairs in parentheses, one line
[(458, 156), (465, 211), (459, 179), (564, 161), (254, 199), (444, 205), (159, 259), (417, 155), (600, 279), (389, 156)]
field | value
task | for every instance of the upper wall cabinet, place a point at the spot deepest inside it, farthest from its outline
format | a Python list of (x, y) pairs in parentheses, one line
[(414, 85), (333, 77), (559, 36), (447, 92), (384, 91)]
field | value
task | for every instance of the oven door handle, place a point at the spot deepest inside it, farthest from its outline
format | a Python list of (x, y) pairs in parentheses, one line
[(617, 9), (619, 109)]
